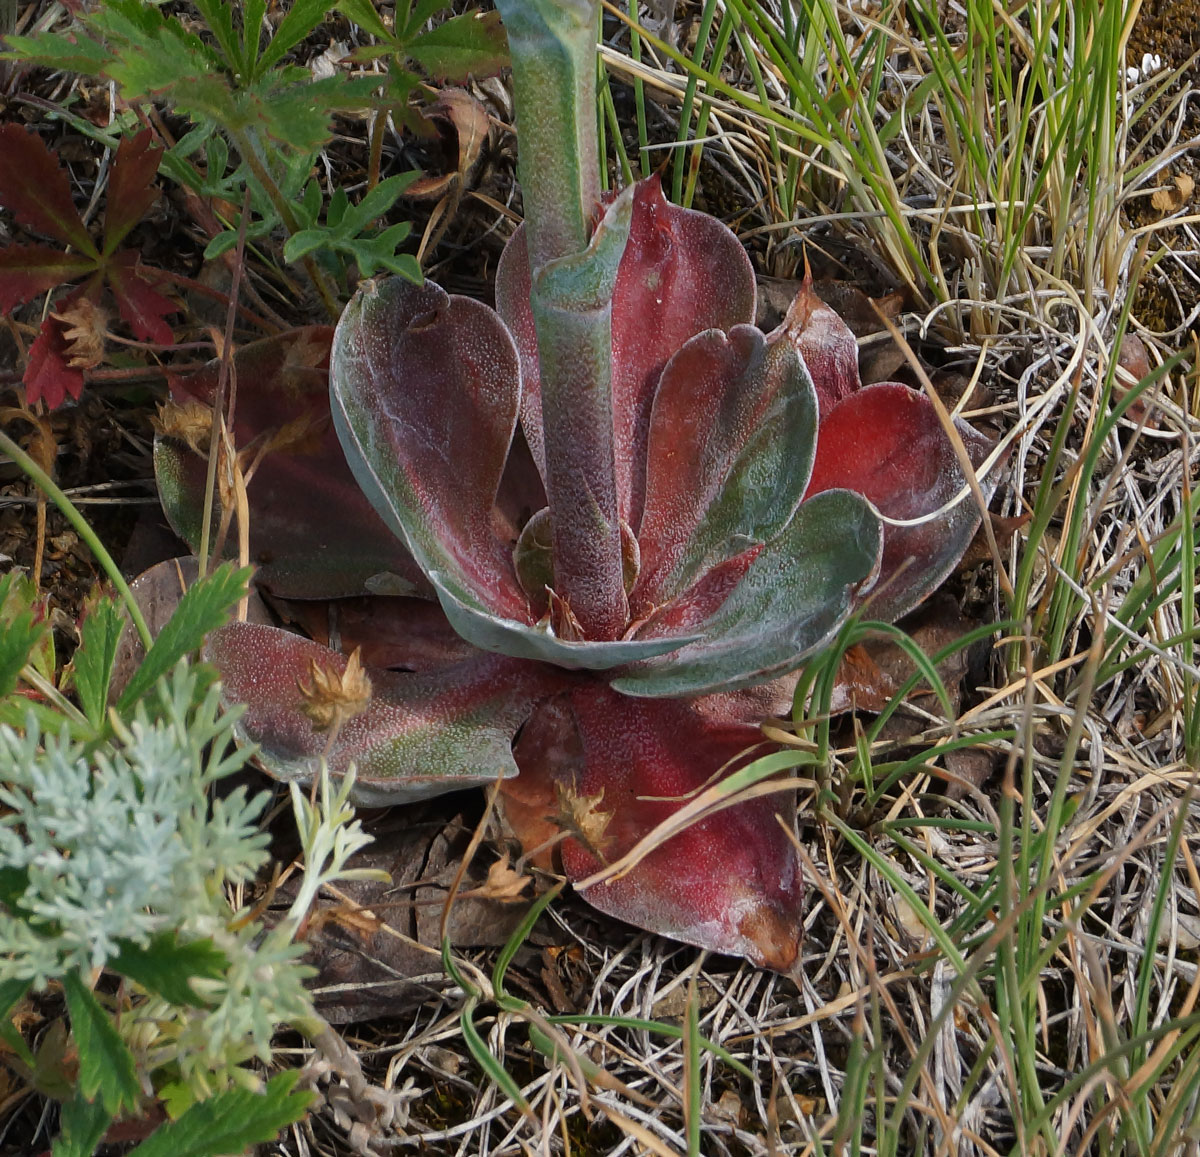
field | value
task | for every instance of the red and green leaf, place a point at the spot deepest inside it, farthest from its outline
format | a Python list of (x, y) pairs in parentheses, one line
[(729, 452), (35, 189), (131, 189), (792, 595), (141, 305), (49, 377), (682, 272), (607, 770), (423, 733), (27, 270), (886, 443)]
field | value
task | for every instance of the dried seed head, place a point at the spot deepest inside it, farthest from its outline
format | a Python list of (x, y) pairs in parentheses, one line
[(332, 696), (581, 817), (190, 423), (85, 333)]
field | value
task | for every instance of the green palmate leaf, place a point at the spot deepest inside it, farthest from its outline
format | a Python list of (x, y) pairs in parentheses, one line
[(362, 13), (79, 53), (466, 45), (96, 657), (166, 965), (106, 1066), (301, 19), (218, 15), (83, 1124), (231, 1121), (201, 611)]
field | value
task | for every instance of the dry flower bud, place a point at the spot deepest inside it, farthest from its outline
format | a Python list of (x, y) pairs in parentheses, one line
[(334, 696), (581, 817), (190, 423), (86, 330)]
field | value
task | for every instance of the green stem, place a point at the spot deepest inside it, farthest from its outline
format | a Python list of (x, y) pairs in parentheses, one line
[(71, 512), (275, 195), (553, 47)]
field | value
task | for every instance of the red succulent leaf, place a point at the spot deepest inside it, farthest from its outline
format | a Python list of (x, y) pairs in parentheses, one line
[(682, 272), (422, 733), (141, 305), (35, 189), (49, 377), (397, 633), (312, 532), (607, 770), (131, 189), (27, 270), (729, 448), (827, 345), (425, 392), (886, 443)]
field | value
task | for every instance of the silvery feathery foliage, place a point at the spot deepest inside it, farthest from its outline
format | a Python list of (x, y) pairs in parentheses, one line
[(122, 842)]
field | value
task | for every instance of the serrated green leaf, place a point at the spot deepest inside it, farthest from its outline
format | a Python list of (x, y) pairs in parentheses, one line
[(218, 15), (11, 992), (83, 1124), (253, 14), (230, 1121), (301, 19), (203, 608), (106, 1065), (51, 50), (419, 14), (96, 657), (17, 640), (362, 13), (166, 965), (464, 46)]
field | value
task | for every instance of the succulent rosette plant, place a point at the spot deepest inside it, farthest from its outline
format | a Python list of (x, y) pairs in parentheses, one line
[(581, 541)]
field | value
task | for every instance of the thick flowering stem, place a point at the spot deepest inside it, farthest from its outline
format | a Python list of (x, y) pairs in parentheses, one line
[(553, 47)]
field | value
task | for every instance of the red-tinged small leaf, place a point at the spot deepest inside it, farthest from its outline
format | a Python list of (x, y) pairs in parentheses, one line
[(421, 735), (48, 375), (607, 770), (131, 189), (141, 305), (312, 533), (682, 272), (730, 447), (27, 270), (34, 188), (425, 390), (886, 443), (827, 345)]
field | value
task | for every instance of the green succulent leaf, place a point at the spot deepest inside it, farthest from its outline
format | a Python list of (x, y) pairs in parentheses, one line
[(794, 593)]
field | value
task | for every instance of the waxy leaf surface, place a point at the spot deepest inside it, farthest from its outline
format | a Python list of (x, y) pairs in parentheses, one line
[(424, 733), (730, 449), (425, 392), (794, 593), (886, 442), (681, 273), (609, 769)]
